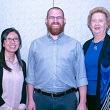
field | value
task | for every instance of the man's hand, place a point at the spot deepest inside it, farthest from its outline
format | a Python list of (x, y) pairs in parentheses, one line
[(31, 105), (82, 106)]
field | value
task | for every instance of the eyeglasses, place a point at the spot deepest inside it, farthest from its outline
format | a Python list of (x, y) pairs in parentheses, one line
[(10, 39), (57, 17)]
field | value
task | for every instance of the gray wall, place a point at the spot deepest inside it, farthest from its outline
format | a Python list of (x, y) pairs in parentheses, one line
[(28, 17)]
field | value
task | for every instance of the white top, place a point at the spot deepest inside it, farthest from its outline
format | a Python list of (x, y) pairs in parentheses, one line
[(12, 86)]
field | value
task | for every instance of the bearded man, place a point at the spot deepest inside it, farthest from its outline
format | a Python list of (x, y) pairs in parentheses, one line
[(56, 68)]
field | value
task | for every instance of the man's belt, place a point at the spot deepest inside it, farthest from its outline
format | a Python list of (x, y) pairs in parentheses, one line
[(59, 94)]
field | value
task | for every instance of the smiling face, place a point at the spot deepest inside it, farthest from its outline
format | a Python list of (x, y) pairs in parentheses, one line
[(98, 24), (55, 22), (11, 44)]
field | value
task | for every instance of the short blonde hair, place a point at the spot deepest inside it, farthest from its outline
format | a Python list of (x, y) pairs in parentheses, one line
[(101, 10)]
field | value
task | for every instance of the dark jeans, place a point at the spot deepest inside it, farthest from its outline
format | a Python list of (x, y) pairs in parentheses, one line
[(66, 102), (91, 102)]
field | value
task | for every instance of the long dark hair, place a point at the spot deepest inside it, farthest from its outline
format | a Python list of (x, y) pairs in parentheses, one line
[(2, 54)]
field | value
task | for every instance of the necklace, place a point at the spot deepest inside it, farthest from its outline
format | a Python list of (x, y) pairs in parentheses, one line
[(95, 46)]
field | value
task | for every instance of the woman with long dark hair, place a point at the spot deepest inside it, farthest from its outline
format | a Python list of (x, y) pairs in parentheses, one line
[(12, 72)]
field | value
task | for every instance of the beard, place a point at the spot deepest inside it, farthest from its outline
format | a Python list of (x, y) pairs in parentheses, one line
[(55, 30)]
